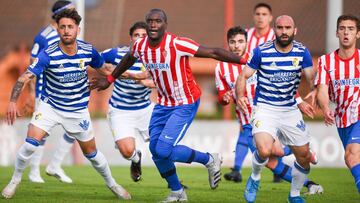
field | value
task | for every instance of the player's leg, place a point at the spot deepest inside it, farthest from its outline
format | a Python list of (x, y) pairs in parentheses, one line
[(35, 161), (166, 167), (241, 151), (54, 167), (123, 124), (350, 138), (174, 130)]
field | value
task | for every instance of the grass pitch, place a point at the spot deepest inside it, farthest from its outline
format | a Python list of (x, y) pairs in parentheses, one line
[(88, 186)]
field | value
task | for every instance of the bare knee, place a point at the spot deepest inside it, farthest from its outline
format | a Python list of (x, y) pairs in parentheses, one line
[(272, 163), (351, 158), (126, 147), (264, 151)]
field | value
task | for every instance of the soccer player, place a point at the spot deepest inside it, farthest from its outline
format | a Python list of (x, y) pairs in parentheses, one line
[(64, 100), (338, 80), (226, 74), (130, 106), (278, 65), (42, 40), (166, 57)]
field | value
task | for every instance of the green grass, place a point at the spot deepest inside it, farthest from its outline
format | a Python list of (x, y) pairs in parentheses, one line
[(88, 186)]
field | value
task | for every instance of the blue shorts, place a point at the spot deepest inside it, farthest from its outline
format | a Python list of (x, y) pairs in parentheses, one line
[(350, 134), (170, 124)]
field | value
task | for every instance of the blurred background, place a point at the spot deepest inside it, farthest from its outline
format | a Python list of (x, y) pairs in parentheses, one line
[(106, 24)]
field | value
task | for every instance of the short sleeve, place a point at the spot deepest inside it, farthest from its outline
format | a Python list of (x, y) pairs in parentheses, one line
[(254, 59), (39, 64), (109, 55), (186, 46), (39, 44), (322, 76), (96, 60), (307, 59)]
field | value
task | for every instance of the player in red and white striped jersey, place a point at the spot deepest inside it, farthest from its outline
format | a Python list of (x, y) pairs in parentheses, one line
[(166, 57), (262, 31), (338, 80)]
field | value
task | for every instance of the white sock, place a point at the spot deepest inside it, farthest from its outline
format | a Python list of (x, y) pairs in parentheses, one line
[(61, 151), (36, 159), (100, 163), (299, 175), (23, 156), (178, 191), (135, 157), (257, 166)]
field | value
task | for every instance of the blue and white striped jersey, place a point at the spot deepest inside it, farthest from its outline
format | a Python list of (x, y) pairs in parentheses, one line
[(42, 40), (127, 94), (278, 73), (65, 84)]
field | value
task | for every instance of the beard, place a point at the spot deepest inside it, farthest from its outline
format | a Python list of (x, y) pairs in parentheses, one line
[(285, 43), (67, 41)]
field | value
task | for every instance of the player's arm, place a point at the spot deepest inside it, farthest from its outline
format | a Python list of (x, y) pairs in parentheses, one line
[(148, 83), (102, 83), (12, 112), (219, 54), (224, 93), (304, 107), (324, 101), (241, 100), (106, 69)]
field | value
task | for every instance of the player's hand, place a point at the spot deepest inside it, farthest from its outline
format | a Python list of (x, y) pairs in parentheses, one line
[(29, 107), (311, 97), (329, 117), (227, 96), (99, 83), (12, 113), (307, 109), (125, 75), (243, 103)]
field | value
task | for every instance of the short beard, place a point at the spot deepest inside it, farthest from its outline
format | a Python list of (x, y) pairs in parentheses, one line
[(285, 43), (68, 42)]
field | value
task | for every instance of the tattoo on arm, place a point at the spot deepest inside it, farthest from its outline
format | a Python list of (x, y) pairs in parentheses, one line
[(16, 91), (19, 85)]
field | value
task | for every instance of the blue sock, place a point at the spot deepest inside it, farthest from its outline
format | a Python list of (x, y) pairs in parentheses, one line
[(287, 151), (184, 154), (168, 171), (355, 171), (240, 151), (282, 170)]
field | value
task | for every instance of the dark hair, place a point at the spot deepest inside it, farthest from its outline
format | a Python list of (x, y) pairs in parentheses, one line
[(157, 10), (348, 17), (265, 5), (137, 25), (69, 13), (236, 30), (58, 7)]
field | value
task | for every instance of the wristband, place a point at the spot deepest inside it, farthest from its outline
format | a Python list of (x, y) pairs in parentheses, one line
[(243, 61), (110, 79)]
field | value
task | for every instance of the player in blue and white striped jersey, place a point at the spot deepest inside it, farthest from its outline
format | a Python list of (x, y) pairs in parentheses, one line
[(278, 64), (130, 106), (43, 39), (64, 100)]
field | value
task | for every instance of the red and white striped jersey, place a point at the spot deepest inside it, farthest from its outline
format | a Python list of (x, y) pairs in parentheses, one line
[(343, 78), (225, 79), (253, 41), (168, 64)]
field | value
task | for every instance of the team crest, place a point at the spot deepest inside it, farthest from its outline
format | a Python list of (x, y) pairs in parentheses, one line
[(295, 62), (84, 124), (257, 124), (82, 64), (38, 116)]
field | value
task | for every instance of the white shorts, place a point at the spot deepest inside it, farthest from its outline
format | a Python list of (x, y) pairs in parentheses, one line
[(76, 124), (126, 123), (289, 123)]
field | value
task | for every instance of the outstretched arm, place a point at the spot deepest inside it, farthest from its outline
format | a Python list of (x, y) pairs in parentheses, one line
[(12, 111), (219, 54), (323, 100)]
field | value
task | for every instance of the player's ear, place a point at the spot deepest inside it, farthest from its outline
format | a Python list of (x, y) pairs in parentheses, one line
[(295, 30), (78, 31), (358, 34)]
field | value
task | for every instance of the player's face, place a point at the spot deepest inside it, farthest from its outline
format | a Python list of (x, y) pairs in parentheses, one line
[(156, 25), (262, 18), (68, 30), (347, 33), (237, 44), (138, 33), (285, 31)]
